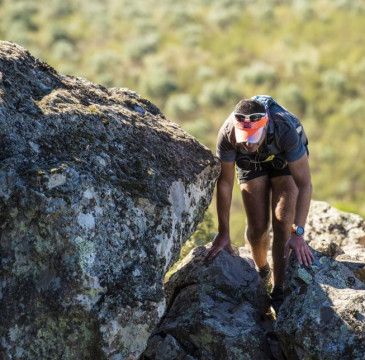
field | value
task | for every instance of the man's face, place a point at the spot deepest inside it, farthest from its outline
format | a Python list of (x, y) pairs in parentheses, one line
[(250, 129), (252, 147)]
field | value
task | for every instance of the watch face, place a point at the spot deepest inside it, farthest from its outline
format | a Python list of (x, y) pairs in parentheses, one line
[(299, 230)]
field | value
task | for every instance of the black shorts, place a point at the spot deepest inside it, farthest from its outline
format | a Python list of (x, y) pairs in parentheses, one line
[(256, 170)]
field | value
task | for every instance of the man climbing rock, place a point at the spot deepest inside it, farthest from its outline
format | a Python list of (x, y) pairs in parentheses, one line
[(268, 146)]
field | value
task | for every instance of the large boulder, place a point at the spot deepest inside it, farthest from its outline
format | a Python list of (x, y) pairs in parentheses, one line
[(98, 192)]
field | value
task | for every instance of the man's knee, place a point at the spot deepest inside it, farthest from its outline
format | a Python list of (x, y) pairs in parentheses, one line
[(256, 232), (281, 228)]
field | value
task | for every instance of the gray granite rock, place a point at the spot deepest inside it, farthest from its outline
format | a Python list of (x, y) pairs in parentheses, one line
[(215, 310), (353, 257), (98, 192), (322, 317), (338, 234), (329, 229)]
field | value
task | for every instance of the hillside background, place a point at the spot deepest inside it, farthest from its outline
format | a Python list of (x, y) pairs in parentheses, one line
[(195, 59)]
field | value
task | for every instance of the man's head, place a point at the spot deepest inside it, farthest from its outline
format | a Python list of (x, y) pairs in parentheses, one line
[(250, 119)]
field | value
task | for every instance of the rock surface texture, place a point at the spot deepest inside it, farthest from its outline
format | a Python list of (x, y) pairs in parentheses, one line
[(98, 192), (338, 234), (217, 309), (323, 313), (329, 229)]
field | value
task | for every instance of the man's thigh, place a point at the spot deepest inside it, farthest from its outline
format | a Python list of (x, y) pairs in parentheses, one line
[(256, 200), (284, 198)]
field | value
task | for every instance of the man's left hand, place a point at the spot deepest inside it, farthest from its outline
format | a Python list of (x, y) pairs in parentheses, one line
[(301, 248)]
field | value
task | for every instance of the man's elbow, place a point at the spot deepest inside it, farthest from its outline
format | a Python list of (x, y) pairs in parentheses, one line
[(224, 183)]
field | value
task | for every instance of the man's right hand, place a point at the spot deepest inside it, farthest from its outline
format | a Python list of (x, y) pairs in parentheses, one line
[(301, 248), (220, 242)]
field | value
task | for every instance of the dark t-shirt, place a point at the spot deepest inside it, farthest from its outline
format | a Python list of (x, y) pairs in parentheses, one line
[(285, 137)]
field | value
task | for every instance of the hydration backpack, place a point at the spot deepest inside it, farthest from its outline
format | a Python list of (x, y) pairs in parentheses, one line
[(272, 106)]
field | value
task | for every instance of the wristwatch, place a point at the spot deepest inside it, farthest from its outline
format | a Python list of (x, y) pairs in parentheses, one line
[(297, 229)]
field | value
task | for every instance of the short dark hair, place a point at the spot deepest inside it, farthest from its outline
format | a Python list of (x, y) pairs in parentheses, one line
[(249, 106)]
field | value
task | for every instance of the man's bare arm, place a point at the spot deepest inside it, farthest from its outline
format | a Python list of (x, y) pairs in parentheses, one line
[(301, 175), (224, 199)]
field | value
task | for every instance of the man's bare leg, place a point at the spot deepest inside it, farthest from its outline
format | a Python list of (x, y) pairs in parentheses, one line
[(256, 199), (284, 196)]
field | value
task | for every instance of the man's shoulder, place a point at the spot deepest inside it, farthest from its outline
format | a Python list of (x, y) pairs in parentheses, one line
[(226, 149), (226, 130), (284, 122)]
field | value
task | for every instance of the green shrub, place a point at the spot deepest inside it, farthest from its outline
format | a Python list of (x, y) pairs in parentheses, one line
[(180, 105), (192, 34), (100, 64), (178, 14), (333, 79), (64, 49), (354, 109), (304, 9), (291, 97), (224, 16), (157, 81), (23, 12), (218, 93), (18, 33), (141, 46), (258, 73), (199, 128), (205, 73)]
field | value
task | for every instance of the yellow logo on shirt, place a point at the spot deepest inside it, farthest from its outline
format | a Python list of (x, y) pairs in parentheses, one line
[(269, 158)]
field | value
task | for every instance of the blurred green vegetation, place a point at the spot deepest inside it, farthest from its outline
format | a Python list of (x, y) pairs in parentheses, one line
[(195, 59)]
